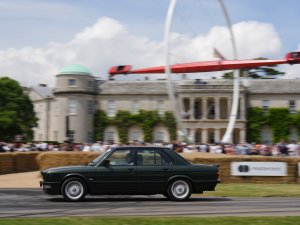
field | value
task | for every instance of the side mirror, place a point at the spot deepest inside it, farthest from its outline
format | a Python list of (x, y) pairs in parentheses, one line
[(106, 162)]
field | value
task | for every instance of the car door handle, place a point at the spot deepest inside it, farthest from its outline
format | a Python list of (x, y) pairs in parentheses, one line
[(130, 169), (165, 168)]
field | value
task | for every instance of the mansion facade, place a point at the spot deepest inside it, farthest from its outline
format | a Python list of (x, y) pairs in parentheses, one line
[(67, 111)]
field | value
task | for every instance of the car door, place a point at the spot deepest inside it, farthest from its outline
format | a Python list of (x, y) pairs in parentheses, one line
[(119, 176), (152, 170)]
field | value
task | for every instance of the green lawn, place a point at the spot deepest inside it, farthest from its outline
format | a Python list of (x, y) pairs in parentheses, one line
[(255, 190), (292, 220)]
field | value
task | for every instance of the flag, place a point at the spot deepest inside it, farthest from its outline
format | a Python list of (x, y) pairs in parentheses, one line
[(218, 55)]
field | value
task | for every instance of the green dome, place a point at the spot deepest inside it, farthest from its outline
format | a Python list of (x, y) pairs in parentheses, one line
[(75, 69)]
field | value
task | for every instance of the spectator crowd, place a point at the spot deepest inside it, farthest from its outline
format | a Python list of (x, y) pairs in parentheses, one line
[(281, 149)]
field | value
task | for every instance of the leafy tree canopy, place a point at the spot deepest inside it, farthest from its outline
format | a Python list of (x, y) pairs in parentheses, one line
[(16, 111), (262, 72)]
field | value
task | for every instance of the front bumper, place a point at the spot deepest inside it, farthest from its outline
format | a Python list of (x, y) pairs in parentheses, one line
[(51, 188)]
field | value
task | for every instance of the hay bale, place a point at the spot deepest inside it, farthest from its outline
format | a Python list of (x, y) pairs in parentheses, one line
[(47, 160), (26, 161), (7, 163), (225, 167)]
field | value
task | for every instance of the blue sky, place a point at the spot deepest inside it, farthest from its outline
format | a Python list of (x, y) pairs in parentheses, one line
[(38, 28)]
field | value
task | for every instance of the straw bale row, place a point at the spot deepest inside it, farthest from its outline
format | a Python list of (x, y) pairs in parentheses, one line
[(53, 159), (18, 162), (225, 167), (22, 162)]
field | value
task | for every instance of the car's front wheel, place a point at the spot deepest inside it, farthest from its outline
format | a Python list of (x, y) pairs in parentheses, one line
[(74, 189), (179, 190)]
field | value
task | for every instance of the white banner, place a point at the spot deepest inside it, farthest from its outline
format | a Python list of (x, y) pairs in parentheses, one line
[(258, 169)]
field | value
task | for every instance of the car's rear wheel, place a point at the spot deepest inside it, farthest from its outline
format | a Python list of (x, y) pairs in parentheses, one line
[(74, 189), (179, 190)]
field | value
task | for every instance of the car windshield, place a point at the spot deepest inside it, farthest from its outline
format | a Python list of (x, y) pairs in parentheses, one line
[(100, 158)]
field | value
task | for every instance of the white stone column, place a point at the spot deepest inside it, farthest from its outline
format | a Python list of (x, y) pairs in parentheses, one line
[(192, 108), (217, 108), (242, 135), (192, 133), (217, 133), (181, 107), (204, 135), (204, 108)]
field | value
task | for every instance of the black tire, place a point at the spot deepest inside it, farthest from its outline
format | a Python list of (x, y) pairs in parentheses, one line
[(179, 190), (74, 189)]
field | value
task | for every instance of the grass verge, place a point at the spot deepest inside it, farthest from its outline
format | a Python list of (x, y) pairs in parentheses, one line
[(255, 190), (290, 220)]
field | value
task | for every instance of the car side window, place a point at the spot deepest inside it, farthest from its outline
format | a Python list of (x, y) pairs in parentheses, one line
[(122, 158), (152, 158)]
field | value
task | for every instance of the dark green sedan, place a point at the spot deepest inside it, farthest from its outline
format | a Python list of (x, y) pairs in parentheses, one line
[(132, 170)]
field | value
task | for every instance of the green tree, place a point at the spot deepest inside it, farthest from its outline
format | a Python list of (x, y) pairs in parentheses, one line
[(16, 111), (263, 72)]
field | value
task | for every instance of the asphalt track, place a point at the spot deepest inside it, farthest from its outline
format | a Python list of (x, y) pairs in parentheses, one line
[(34, 203)]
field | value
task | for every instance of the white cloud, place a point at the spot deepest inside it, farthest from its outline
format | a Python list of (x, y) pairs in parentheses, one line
[(251, 38), (108, 43)]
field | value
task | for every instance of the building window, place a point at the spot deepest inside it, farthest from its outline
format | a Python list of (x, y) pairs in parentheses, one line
[(266, 136), (111, 108), (211, 109), (211, 137), (72, 106), (159, 137), (89, 137), (265, 105), (292, 106), (110, 136), (71, 135), (90, 107), (135, 107), (90, 84), (72, 82), (293, 136), (135, 136), (160, 107)]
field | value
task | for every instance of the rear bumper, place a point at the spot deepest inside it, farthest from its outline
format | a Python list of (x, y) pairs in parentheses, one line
[(51, 188), (205, 186)]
